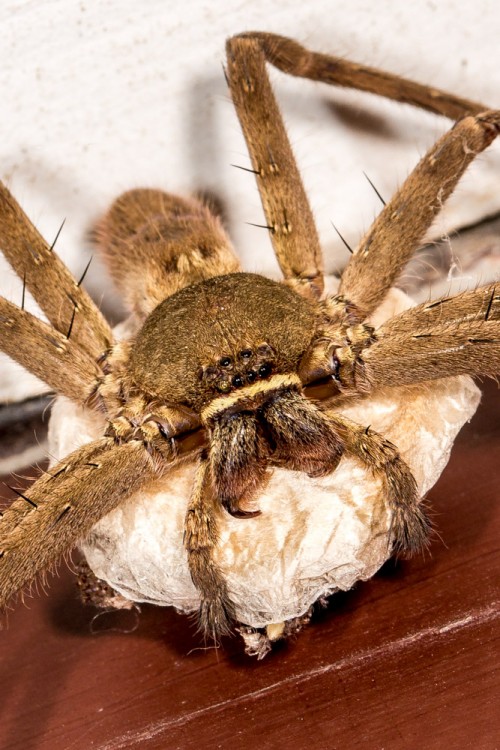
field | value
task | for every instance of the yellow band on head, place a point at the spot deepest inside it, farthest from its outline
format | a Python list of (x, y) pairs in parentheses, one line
[(248, 393)]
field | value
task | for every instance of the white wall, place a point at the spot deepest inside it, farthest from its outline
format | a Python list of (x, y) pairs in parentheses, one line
[(97, 97)]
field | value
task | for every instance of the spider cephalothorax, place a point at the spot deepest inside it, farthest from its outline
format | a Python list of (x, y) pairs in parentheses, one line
[(241, 373)]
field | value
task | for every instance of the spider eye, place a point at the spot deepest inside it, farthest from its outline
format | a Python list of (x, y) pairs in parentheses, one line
[(237, 381), (225, 361), (335, 367), (251, 375), (264, 370), (246, 354)]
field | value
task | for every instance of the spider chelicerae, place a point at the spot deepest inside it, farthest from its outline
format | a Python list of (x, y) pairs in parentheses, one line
[(230, 369)]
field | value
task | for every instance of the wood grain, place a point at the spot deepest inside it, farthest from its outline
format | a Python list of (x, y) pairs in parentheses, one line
[(407, 660)]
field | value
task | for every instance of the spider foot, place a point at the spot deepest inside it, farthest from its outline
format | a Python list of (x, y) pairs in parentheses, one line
[(411, 529), (410, 525), (216, 616)]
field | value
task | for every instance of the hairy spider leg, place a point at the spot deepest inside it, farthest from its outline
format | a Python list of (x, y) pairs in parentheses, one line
[(64, 504), (456, 335), (383, 252), (62, 298), (396, 233), (410, 525), (289, 218), (201, 535), (59, 361), (294, 59)]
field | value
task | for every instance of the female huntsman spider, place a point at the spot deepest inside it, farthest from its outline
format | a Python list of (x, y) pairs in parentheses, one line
[(228, 376)]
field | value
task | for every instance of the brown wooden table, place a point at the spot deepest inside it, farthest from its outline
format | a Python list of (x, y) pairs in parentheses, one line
[(408, 660)]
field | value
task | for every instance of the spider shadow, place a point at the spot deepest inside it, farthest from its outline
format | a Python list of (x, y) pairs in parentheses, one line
[(37, 692), (146, 621), (34, 692)]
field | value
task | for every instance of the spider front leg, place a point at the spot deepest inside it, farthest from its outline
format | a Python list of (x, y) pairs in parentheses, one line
[(61, 507), (56, 511), (438, 339), (410, 526)]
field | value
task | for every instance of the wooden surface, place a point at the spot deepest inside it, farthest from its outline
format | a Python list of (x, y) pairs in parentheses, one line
[(407, 660)]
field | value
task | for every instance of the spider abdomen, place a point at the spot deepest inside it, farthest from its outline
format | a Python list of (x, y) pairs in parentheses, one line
[(220, 335)]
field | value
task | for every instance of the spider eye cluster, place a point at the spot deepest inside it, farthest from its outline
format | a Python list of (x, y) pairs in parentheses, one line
[(232, 371)]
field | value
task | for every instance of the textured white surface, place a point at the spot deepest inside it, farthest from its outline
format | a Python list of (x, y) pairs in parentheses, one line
[(100, 97), (314, 536)]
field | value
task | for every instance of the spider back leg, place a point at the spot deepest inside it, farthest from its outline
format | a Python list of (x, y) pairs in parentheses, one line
[(156, 243), (294, 59), (50, 355)]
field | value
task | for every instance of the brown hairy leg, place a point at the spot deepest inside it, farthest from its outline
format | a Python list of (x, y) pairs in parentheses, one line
[(216, 611), (410, 526), (450, 336), (64, 504), (65, 303), (156, 243), (294, 59), (47, 353), (289, 218), (396, 233)]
